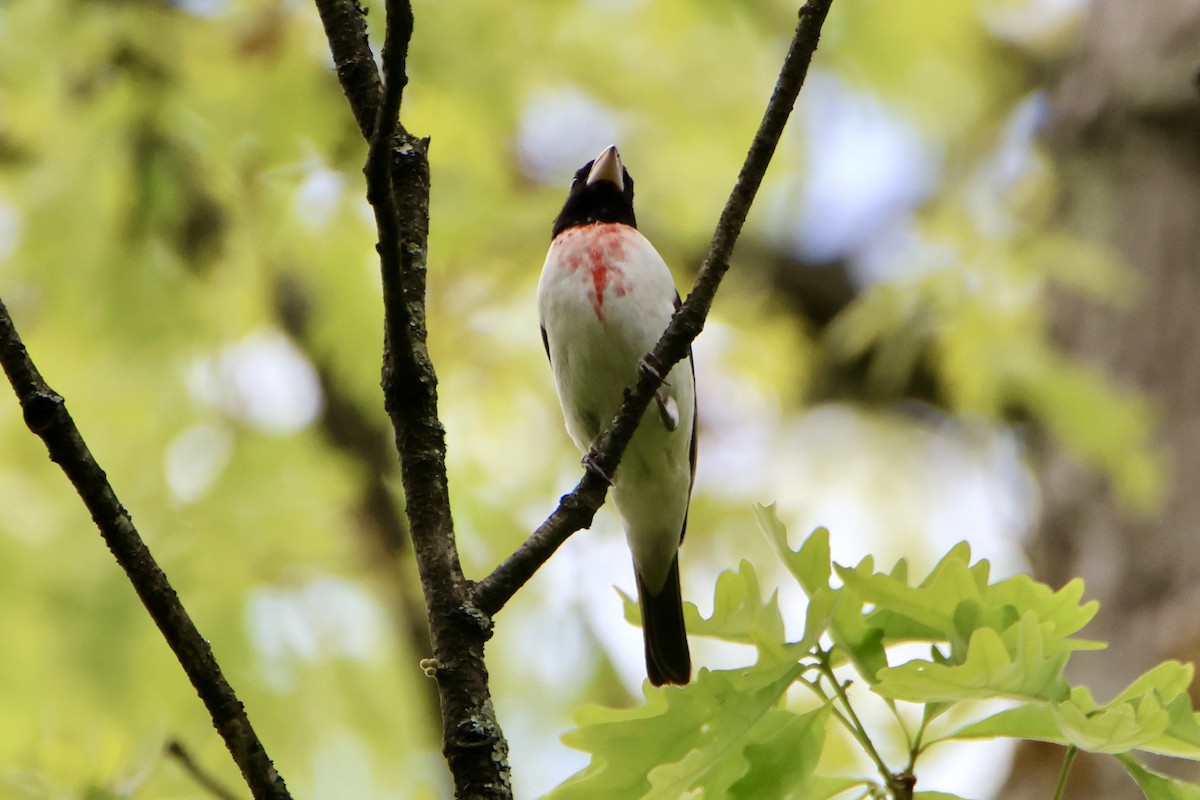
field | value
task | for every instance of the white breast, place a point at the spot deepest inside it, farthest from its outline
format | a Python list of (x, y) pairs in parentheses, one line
[(604, 298)]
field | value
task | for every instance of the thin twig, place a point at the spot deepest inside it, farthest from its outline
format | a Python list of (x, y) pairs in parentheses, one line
[(46, 415), (908, 737), (381, 188), (917, 745), (856, 726), (899, 784), (1069, 759), (815, 688), (177, 751), (577, 509)]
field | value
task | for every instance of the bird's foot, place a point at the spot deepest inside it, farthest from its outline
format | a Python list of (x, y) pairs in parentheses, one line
[(646, 368), (589, 463)]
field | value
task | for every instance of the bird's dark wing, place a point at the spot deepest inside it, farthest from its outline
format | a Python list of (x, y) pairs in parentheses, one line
[(545, 343)]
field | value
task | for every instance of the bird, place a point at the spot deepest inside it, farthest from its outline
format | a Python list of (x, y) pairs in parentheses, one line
[(605, 296)]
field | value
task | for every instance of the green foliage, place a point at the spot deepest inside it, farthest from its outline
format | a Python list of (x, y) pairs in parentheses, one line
[(1153, 714), (724, 737), (1156, 786), (1005, 640), (165, 167)]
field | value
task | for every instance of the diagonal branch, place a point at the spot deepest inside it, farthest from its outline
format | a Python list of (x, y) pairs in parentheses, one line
[(46, 415), (577, 509)]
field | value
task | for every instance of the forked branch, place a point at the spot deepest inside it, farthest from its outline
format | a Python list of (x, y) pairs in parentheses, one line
[(397, 176), (398, 190)]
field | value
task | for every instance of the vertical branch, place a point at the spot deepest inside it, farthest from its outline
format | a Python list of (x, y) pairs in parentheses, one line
[(46, 415), (397, 177)]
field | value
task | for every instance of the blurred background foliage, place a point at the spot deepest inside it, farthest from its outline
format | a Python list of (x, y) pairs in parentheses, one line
[(185, 247)]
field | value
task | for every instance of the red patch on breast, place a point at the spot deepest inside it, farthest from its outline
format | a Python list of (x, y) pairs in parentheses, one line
[(596, 254), (600, 249)]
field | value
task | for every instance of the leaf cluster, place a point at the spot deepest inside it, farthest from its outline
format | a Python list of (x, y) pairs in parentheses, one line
[(738, 733)]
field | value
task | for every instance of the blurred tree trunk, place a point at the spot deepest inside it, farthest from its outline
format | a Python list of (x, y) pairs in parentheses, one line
[(1125, 130)]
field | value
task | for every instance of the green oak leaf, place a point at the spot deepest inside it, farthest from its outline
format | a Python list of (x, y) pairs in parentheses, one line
[(810, 565), (818, 617), (1153, 714), (931, 605), (1032, 720), (991, 669), (1169, 680), (1060, 609), (861, 643), (1156, 786), (739, 613), (1116, 728), (683, 738)]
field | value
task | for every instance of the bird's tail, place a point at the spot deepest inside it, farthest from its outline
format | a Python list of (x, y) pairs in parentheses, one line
[(667, 656)]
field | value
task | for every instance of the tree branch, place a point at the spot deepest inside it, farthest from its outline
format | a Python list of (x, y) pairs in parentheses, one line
[(577, 509), (345, 24), (46, 415), (397, 175), (175, 749)]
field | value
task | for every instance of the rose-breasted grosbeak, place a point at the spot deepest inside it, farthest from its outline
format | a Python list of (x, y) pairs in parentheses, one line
[(604, 299)]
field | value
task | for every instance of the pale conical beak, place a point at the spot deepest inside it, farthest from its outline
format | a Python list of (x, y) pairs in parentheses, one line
[(607, 167)]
